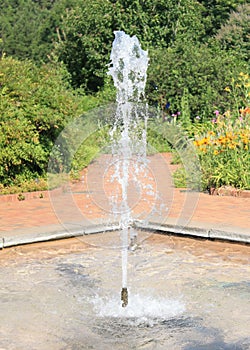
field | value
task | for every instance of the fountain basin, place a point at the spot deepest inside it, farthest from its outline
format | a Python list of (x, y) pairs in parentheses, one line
[(183, 294)]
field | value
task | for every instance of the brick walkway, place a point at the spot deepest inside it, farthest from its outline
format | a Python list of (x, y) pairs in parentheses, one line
[(87, 200)]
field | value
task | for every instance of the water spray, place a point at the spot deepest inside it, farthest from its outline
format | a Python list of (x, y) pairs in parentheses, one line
[(128, 69)]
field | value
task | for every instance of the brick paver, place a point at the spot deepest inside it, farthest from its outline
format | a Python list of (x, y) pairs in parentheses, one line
[(88, 200)]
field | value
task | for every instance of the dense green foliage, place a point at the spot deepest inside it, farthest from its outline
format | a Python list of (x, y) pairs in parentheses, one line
[(198, 79), (87, 33), (222, 143), (55, 52), (218, 12), (28, 28), (235, 33), (192, 56), (35, 104)]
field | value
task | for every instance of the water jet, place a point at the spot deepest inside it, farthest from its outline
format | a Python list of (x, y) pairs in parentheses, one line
[(128, 69), (183, 294)]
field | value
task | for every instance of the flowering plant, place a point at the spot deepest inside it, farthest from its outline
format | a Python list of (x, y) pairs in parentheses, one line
[(224, 151), (224, 147)]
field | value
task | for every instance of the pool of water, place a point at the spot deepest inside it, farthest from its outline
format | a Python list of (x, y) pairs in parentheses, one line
[(183, 294)]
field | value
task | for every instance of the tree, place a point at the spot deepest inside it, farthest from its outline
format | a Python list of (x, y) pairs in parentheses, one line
[(28, 27), (84, 42), (235, 33), (201, 72), (217, 13), (87, 32)]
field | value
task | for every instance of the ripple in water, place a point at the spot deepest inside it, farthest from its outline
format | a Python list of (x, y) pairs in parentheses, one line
[(140, 310)]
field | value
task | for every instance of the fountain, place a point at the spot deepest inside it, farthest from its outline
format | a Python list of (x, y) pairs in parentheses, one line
[(129, 67), (183, 294)]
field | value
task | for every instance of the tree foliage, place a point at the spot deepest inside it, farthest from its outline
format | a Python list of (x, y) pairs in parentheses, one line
[(197, 73), (235, 33), (87, 32), (84, 42), (35, 104), (217, 13), (28, 28), (195, 47)]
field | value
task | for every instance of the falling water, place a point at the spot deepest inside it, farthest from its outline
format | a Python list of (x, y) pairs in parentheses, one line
[(129, 71)]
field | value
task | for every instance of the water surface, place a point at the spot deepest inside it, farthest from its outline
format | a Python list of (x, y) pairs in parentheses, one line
[(183, 294)]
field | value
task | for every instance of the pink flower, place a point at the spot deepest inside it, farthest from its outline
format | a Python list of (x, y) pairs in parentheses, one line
[(216, 112), (214, 120)]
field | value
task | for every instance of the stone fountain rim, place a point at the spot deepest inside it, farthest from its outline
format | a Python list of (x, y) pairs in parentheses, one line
[(167, 229)]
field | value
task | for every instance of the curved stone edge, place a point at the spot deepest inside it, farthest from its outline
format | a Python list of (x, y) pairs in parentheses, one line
[(7, 242), (195, 232), (198, 232)]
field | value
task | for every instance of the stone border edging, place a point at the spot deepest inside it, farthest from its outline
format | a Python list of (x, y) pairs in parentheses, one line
[(223, 191), (194, 232), (17, 197), (52, 236), (7, 242)]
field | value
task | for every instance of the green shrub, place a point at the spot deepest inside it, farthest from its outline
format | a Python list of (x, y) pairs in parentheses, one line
[(35, 105), (224, 147), (157, 142), (192, 79), (180, 178)]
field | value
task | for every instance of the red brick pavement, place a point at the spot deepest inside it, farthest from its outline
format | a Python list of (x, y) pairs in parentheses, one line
[(87, 199)]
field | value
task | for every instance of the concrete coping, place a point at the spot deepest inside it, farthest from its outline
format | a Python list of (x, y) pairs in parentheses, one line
[(207, 233), (10, 241), (172, 229)]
